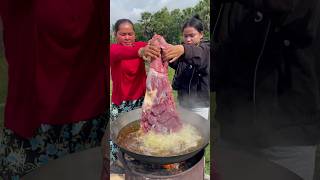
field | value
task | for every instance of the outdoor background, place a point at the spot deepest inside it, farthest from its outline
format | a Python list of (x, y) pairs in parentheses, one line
[(167, 23)]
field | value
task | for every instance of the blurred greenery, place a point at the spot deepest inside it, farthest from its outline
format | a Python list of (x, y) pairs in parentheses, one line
[(3, 85), (207, 160)]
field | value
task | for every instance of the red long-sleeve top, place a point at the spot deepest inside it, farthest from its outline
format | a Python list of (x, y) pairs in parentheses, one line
[(55, 52), (127, 72)]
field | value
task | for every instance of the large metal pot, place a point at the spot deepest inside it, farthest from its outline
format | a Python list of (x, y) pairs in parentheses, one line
[(186, 116)]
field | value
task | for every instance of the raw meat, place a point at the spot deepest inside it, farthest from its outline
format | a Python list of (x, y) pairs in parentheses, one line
[(159, 110)]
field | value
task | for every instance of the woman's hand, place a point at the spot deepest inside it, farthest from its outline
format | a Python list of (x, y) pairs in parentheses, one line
[(172, 53), (149, 52)]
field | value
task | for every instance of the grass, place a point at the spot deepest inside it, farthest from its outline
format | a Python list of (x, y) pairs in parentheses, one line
[(207, 160), (3, 79)]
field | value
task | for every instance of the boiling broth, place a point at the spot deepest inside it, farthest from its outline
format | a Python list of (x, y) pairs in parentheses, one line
[(185, 140)]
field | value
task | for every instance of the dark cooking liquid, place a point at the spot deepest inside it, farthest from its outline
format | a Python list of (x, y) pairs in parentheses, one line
[(130, 137)]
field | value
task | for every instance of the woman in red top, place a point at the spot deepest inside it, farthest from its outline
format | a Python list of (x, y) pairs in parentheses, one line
[(127, 67), (127, 71)]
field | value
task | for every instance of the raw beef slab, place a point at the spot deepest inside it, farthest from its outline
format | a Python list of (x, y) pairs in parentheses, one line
[(159, 110)]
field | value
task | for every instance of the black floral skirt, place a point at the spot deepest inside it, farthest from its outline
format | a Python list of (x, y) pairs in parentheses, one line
[(115, 110), (19, 156)]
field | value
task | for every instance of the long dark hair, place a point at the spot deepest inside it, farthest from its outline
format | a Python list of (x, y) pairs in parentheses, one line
[(194, 22), (121, 21)]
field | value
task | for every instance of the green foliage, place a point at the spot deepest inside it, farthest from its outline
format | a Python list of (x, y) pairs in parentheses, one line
[(3, 85), (3, 78), (112, 38)]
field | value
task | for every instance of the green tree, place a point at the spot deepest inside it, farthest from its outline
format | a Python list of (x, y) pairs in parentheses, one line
[(174, 27), (139, 29), (203, 10), (145, 23)]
